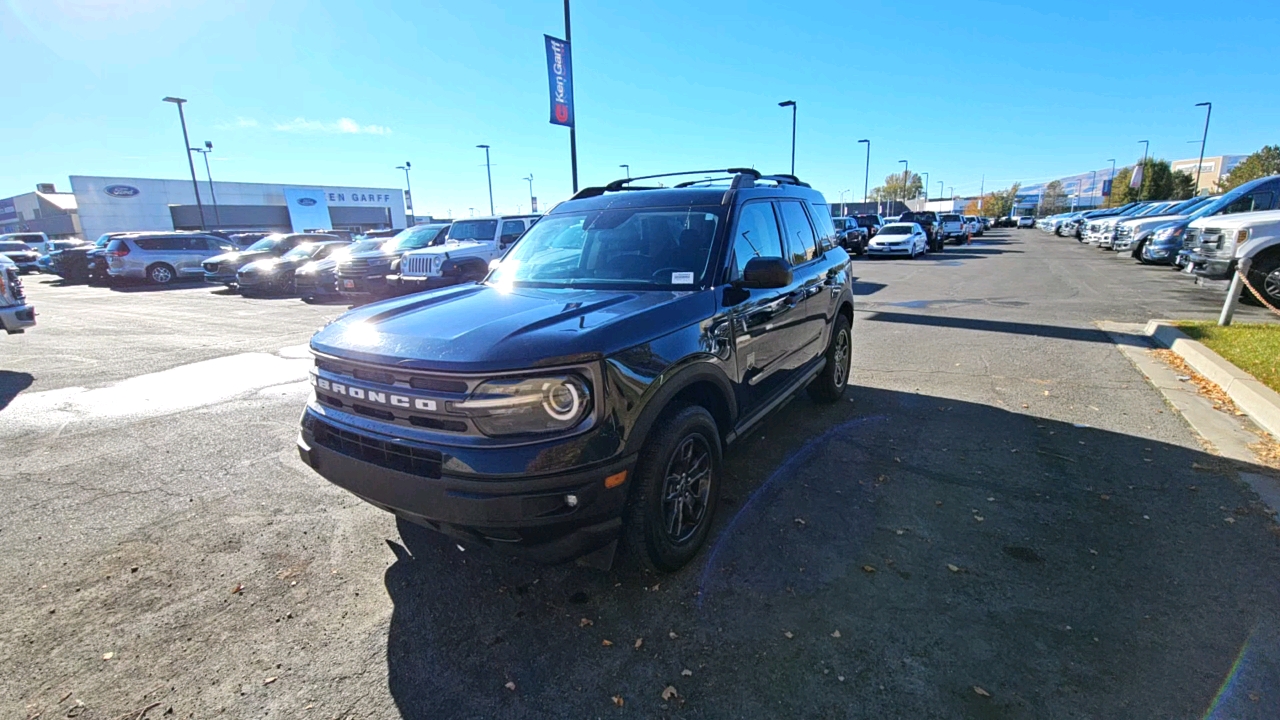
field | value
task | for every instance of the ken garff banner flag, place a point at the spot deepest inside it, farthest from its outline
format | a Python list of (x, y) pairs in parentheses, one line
[(560, 75)]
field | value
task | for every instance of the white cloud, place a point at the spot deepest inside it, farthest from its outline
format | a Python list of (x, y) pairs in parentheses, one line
[(238, 124), (345, 126)]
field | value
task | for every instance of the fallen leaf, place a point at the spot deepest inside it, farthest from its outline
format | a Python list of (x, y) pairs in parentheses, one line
[(938, 503), (899, 532), (639, 642), (510, 686), (840, 678), (585, 622), (606, 643), (617, 700), (1025, 405), (1046, 392), (788, 634), (64, 697), (981, 692), (237, 589), (672, 635), (1254, 697), (108, 656), (979, 518), (669, 692), (687, 672), (270, 680), (868, 569), (835, 634), (800, 521), (1105, 496), (1229, 520), (953, 568)]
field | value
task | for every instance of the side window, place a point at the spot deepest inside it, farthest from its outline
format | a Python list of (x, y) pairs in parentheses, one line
[(756, 235), (1253, 202), (800, 237), (511, 230), (147, 243), (826, 230)]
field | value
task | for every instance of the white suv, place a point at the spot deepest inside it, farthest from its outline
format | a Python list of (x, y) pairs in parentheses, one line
[(465, 254)]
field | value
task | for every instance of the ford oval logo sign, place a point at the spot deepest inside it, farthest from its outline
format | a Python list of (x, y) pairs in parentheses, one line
[(121, 191), (306, 202)]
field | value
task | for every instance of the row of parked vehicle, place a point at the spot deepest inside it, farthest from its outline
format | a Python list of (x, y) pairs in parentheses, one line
[(1206, 236), (911, 233)]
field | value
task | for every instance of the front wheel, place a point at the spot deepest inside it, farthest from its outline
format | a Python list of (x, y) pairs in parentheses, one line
[(677, 485), (160, 274), (829, 385), (1264, 276)]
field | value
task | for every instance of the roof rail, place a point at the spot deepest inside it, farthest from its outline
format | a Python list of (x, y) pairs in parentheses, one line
[(617, 185), (784, 179)]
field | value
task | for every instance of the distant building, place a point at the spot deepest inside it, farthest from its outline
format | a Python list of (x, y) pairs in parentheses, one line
[(45, 210), (1213, 169)]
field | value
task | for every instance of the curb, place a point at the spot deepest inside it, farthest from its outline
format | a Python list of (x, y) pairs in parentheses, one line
[(1258, 401)]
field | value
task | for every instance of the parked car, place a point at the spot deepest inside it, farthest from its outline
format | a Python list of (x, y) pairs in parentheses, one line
[(1175, 242), (465, 254), (850, 235), (579, 399), (276, 275), (23, 256), (245, 239), (871, 222), (37, 242), (15, 314), (161, 257), (46, 263), (928, 222), (1026, 221), (318, 279), (1132, 233), (82, 263), (952, 227), (365, 273), (974, 225), (221, 269), (900, 238), (1222, 242)]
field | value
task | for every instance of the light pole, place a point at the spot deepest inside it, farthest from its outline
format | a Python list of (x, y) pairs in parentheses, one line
[(628, 168), (792, 104), (412, 218), (488, 171), (532, 202), (186, 144), (906, 168), (1208, 111), (842, 210), (1093, 187), (940, 193), (926, 190), (866, 177), (208, 148), (1142, 181)]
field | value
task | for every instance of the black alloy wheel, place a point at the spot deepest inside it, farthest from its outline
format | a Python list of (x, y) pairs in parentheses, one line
[(829, 385)]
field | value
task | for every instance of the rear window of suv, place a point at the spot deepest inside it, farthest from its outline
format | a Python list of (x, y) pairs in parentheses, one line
[(951, 218), (14, 247), (161, 243)]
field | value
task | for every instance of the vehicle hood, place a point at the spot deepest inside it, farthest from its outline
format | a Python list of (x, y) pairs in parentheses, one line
[(1146, 223), (478, 328), (1240, 220), (273, 264), (319, 266), (239, 258), (372, 255), (447, 248), (883, 239), (21, 255)]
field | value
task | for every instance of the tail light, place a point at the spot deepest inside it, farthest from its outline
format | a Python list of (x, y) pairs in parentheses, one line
[(119, 252)]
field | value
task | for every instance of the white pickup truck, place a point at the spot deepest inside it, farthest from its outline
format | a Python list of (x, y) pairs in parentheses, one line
[(1219, 242), (952, 227), (15, 314), (465, 254)]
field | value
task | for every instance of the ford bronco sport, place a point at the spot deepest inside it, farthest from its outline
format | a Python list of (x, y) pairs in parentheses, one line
[(577, 400)]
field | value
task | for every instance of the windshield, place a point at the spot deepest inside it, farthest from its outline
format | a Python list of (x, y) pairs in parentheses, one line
[(653, 248), (840, 223), (896, 230), (303, 251), (13, 247), (1222, 201), (950, 218), (413, 238), (361, 246), (474, 230), (266, 244), (865, 221)]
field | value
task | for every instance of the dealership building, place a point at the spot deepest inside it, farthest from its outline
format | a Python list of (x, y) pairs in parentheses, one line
[(117, 204)]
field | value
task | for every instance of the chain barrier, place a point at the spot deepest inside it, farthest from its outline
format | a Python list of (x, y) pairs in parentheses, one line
[(1245, 277)]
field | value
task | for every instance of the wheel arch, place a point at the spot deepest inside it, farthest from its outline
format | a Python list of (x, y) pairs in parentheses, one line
[(700, 384)]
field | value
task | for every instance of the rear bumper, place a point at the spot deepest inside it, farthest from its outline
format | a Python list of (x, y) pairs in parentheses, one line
[(17, 318), (525, 516)]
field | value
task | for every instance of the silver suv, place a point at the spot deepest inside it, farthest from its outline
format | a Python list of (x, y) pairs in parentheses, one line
[(162, 257)]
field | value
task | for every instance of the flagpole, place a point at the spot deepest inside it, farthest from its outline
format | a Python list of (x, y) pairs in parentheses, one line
[(573, 129)]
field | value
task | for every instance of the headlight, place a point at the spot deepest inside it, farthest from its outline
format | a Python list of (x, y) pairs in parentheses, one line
[(528, 406), (1169, 234), (436, 262)]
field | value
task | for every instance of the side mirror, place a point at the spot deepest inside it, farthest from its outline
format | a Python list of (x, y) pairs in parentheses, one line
[(765, 273)]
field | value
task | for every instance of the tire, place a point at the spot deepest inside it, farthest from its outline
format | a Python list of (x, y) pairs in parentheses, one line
[(161, 274), (830, 384), (1264, 276), (670, 464)]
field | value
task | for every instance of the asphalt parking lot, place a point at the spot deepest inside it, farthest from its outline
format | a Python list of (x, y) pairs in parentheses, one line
[(1005, 520)]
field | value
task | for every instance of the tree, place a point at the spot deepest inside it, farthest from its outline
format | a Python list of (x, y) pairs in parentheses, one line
[(1258, 165), (1052, 199), (972, 208), (895, 188), (1184, 186), (1159, 182), (998, 203), (1121, 193)]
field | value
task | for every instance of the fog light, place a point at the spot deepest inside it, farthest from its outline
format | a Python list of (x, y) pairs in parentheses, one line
[(571, 500)]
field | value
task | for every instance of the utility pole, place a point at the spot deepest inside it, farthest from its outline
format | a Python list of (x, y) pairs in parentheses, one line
[(532, 201), (573, 129), (186, 144), (489, 170), (208, 148), (412, 217), (1142, 182), (866, 177), (1208, 112), (792, 104), (1112, 179)]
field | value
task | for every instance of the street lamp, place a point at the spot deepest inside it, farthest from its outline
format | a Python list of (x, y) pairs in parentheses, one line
[(488, 171), (906, 168), (842, 210), (792, 104), (186, 143), (533, 203), (412, 218), (628, 167), (1112, 179), (1142, 181), (866, 177), (1093, 187), (208, 148), (1208, 111), (926, 189)]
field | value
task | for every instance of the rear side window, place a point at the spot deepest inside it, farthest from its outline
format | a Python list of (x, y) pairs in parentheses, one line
[(1253, 202), (950, 218), (800, 236), (756, 235), (826, 230), (160, 244)]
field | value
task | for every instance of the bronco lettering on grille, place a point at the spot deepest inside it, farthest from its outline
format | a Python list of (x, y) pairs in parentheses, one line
[(375, 396)]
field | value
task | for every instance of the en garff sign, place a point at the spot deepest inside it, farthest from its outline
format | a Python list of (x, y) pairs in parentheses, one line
[(560, 77)]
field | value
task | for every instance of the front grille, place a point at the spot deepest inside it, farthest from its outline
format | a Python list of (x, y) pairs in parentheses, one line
[(393, 456), (361, 267), (1124, 232), (419, 265), (1191, 238)]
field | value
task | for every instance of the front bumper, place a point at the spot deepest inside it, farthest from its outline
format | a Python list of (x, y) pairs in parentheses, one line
[(528, 516), (319, 284), (1210, 267), (221, 277), (411, 283), (880, 250), (17, 318), (363, 284)]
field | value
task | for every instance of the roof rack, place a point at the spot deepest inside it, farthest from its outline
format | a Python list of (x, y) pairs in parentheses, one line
[(743, 177), (785, 179)]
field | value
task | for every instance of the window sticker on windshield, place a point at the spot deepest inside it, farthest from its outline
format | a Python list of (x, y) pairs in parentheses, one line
[(682, 278)]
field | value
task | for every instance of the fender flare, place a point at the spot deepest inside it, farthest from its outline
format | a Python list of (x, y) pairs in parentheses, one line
[(673, 383)]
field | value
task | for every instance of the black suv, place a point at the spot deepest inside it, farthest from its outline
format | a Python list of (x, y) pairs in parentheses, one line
[(581, 394)]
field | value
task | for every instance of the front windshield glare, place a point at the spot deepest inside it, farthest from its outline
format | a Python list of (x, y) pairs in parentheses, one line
[(266, 244), (473, 230), (649, 247), (896, 230), (413, 238), (300, 252)]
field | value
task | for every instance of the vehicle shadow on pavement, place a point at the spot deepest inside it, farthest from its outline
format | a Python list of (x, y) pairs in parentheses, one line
[(12, 383), (886, 557), (142, 286), (1018, 328)]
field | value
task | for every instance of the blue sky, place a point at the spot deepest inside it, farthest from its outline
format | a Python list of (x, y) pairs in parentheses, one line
[(341, 92)]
